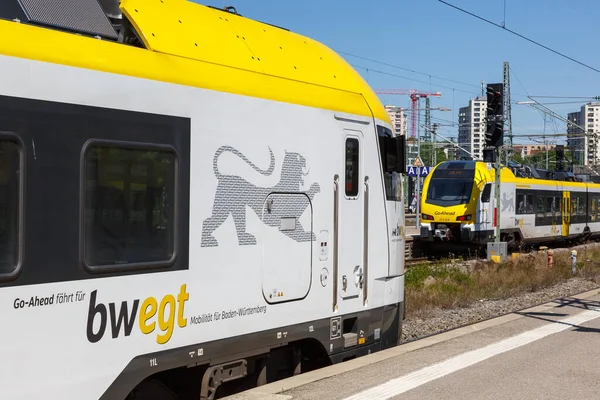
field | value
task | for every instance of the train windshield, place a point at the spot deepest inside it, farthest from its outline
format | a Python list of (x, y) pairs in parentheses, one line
[(451, 185), (392, 180)]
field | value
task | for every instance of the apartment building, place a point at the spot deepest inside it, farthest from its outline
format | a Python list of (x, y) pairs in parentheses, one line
[(583, 143), (530, 149), (400, 124), (399, 120), (471, 129)]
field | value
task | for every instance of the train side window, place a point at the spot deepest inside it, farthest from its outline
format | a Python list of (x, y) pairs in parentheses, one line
[(521, 204), (540, 207), (524, 204), (581, 206), (529, 204), (352, 167), (129, 199), (10, 206), (486, 192), (574, 205), (549, 206)]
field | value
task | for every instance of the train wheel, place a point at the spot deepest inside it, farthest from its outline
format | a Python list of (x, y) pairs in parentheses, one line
[(152, 389), (261, 373), (512, 241)]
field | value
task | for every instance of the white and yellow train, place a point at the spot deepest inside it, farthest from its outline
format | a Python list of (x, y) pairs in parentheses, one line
[(458, 206), (187, 197)]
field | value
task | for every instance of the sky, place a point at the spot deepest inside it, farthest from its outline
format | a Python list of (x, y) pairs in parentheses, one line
[(452, 52)]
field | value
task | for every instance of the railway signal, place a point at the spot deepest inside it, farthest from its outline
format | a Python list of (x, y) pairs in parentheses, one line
[(494, 132), (494, 139)]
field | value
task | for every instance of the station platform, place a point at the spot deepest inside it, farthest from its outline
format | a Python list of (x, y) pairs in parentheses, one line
[(410, 232), (545, 352)]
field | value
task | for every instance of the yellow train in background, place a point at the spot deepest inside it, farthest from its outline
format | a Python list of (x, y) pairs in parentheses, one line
[(458, 206)]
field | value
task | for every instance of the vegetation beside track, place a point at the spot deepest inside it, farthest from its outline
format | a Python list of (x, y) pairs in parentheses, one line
[(459, 283)]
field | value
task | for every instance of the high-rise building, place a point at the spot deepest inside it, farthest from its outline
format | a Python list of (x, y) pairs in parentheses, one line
[(400, 124), (584, 143), (399, 121), (525, 150), (471, 129)]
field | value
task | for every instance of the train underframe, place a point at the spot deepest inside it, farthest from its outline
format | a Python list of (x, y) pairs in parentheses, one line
[(455, 238), (258, 365)]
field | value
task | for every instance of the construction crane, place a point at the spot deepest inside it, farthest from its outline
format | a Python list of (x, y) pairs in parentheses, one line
[(415, 95)]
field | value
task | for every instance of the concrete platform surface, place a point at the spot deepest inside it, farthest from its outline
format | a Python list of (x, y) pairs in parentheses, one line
[(547, 352)]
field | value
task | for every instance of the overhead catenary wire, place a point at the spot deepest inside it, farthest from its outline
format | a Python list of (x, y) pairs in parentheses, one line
[(421, 73), (448, 87), (430, 76), (408, 69), (568, 97), (521, 36), (409, 78), (512, 71), (565, 102)]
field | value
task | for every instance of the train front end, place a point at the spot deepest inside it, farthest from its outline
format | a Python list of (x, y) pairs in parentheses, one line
[(453, 201)]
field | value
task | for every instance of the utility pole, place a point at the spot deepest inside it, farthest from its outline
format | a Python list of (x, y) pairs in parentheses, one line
[(418, 182), (546, 145), (427, 113), (434, 150), (428, 122), (507, 111), (497, 182)]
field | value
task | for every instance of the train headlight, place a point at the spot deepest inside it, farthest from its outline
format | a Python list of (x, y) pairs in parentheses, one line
[(427, 217), (464, 218)]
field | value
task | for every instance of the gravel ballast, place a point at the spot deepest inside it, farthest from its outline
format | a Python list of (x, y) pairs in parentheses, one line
[(430, 322)]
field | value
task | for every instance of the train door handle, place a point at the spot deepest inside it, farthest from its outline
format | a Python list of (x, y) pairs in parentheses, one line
[(360, 277)]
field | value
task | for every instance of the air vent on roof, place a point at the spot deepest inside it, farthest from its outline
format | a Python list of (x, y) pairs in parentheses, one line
[(81, 16), (229, 9), (233, 10), (111, 8)]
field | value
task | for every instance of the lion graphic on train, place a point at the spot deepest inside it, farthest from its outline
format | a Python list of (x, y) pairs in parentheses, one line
[(508, 202), (234, 193)]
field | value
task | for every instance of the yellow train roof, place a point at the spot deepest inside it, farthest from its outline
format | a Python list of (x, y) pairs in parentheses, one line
[(194, 45), (483, 174)]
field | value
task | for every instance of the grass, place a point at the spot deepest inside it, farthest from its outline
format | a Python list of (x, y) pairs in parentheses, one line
[(450, 285)]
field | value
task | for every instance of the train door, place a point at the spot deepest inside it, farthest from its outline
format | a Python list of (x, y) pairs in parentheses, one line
[(350, 218), (484, 208), (566, 213)]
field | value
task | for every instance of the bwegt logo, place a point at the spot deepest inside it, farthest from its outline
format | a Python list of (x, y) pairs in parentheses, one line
[(125, 319)]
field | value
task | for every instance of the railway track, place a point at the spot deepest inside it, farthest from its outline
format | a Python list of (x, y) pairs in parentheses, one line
[(415, 250), (414, 261)]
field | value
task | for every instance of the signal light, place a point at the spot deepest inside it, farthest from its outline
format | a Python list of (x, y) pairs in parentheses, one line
[(494, 132), (489, 155), (495, 103)]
